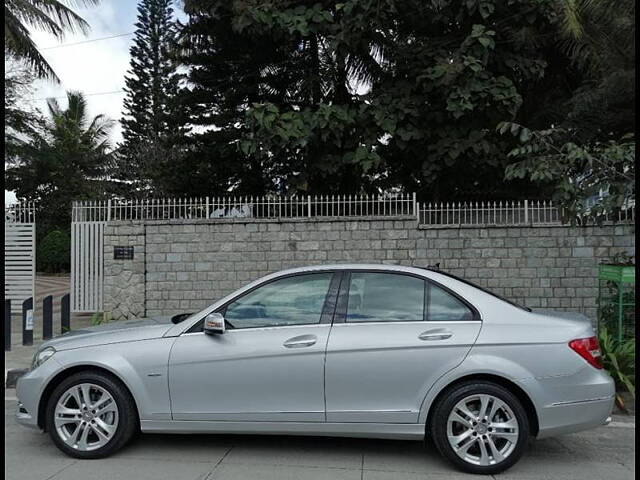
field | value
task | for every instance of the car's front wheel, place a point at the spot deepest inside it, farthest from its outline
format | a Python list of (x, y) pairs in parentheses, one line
[(91, 415), (481, 427)]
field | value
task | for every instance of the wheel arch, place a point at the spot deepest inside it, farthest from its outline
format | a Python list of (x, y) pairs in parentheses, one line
[(527, 403), (66, 373)]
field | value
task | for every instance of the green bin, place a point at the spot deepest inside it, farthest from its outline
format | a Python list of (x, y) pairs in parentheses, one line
[(616, 300)]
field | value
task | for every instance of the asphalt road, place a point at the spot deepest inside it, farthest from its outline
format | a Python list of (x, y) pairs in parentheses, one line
[(603, 453)]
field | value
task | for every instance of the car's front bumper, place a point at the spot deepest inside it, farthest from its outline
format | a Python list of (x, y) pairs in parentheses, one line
[(29, 390), (23, 417)]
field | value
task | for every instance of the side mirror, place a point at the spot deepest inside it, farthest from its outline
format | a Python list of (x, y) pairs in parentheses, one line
[(213, 324)]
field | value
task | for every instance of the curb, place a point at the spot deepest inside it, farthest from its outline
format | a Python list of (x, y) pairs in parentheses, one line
[(12, 375)]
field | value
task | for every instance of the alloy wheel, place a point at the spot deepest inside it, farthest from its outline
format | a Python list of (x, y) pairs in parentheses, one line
[(482, 430), (86, 417)]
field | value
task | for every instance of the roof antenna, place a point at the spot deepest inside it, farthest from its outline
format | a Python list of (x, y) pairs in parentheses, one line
[(434, 267)]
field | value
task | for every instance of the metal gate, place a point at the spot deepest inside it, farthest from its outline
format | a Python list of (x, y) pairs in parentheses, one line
[(19, 253), (87, 258)]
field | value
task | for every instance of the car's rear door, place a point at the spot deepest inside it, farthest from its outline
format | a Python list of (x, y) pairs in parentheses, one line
[(268, 365), (394, 335)]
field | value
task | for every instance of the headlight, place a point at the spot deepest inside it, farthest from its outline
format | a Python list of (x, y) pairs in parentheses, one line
[(42, 356)]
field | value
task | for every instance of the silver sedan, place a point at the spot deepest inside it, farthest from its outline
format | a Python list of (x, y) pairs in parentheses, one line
[(375, 351)]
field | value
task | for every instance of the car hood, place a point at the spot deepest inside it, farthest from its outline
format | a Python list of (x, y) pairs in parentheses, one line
[(115, 332)]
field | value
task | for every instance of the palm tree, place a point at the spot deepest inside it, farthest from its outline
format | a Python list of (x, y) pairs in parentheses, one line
[(599, 34), (69, 160), (599, 38), (51, 16)]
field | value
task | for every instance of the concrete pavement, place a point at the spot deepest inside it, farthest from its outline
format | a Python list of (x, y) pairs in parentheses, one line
[(603, 453)]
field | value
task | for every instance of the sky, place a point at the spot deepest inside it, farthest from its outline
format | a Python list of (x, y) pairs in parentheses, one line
[(93, 67)]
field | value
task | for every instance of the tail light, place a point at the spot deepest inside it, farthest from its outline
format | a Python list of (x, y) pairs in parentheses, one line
[(589, 349)]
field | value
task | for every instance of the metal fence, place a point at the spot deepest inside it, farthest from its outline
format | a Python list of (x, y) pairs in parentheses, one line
[(310, 206), (524, 212), (19, 252)]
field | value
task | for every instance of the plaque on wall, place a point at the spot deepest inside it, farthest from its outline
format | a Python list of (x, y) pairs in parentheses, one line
[(123, 253)]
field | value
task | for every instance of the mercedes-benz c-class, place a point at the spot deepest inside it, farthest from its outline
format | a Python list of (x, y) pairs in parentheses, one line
[(376, 351)]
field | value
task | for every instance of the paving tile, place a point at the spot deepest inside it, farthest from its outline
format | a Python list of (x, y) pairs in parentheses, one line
[(38, 468), (192, 448), (405, 456), (125, 469), (272, 472), (377, 475), (297, 451)]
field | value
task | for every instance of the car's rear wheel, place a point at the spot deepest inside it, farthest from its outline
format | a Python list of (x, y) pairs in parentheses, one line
[(91, 415), (481, 427)]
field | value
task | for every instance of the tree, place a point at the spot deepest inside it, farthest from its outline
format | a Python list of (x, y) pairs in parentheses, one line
[(51, 16), (586, 151), (319, 96), (591, 181), (150, 108), (21, 119), (68, 160), (599, 39)]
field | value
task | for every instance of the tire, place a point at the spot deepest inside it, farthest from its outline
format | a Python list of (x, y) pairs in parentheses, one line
[(509, 442), (117, 423)]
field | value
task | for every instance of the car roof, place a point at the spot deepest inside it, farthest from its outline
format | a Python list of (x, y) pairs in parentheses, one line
[(355, 266)]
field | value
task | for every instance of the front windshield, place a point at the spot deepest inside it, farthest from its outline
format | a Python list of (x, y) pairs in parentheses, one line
[(500, 297)]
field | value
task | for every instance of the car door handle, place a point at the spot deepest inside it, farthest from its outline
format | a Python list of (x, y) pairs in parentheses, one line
[(301, 341), (437, 334)]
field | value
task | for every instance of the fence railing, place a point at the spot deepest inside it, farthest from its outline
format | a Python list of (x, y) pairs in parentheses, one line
[(310, 206), (523, 212), (24, 212)]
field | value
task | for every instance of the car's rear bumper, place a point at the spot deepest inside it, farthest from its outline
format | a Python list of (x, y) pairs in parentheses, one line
[(576, 416), (571, 403)]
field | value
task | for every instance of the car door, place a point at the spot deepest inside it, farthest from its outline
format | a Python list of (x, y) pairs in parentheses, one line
[(393, 336), (269, 363)]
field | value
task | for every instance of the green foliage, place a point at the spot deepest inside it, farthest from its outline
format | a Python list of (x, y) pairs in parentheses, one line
[(151, 111), (97, 318), (67, 160), (603, 171), (21, 119), (53, 252), (50, 16), (619, 359), (100, 318), (360, 95)]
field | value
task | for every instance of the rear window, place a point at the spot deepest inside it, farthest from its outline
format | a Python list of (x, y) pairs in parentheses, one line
[(499, 297)]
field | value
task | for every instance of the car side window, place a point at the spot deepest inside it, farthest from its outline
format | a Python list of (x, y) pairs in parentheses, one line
[(385, 297), (295, 300), (443, 306)]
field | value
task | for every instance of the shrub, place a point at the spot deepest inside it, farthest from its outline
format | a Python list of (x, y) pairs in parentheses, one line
[(53, 252), (619, 359)]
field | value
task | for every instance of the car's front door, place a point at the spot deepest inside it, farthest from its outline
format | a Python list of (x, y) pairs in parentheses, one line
[(268, 365), (393, 336)]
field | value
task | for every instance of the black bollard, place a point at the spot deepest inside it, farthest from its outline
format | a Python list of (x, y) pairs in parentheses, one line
[(7, 325), (47, 317), (65, 314), (27, 321)]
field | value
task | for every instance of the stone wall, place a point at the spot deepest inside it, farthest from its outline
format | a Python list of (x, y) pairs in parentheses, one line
[(124, 280), (183, 266)]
